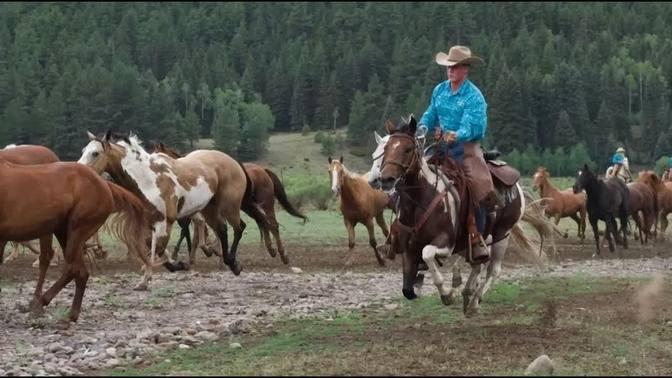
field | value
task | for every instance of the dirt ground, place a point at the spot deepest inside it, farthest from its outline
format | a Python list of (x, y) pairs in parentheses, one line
[(120, 326)]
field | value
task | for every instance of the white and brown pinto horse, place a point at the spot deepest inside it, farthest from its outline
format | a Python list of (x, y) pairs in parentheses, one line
[(206, 181), (432, 216)]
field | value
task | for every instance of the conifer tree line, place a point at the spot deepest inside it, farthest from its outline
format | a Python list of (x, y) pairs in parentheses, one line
[(559, 77)]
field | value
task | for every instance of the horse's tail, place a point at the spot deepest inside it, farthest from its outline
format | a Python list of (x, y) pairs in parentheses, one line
[(534, 216), (280, 194), (129, 224), (250, 206)]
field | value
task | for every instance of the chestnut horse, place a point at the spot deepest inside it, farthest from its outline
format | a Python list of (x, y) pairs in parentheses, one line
[(432, 216), (72, 202), (561, 204), (267, 187), (28, 154), (360, 203), (663, 192), (205, 181), (643, 208)]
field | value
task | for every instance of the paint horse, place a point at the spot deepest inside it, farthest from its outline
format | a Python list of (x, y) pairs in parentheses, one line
[(267, 187), (606, 200), (206, 181), (360, 203), (432, 211), (561, 204), (72, 202)]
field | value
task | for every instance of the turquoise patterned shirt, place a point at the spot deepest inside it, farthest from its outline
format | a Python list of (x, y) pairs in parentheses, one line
[(463, 112)]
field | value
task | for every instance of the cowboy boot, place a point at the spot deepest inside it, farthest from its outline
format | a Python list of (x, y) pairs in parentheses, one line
[(490, 203), (479, 252)]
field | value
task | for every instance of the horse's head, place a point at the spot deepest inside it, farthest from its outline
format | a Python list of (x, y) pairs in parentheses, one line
[(101, 153), (539, 178), (377, 156), (401, 155), (584, 179), (336, 171)]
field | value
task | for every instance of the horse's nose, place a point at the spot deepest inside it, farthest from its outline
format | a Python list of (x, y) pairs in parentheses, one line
[(387, 182)]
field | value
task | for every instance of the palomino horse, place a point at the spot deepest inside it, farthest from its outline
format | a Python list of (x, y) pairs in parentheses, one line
[(72, 202), (607, 200), (206, 181), (267, 187), (360, 203), (663, 192), (561, 204), (432, 214), (30, 155), (643, 208)]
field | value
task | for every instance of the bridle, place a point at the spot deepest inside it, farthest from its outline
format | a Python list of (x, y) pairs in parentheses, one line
[(415, 158)]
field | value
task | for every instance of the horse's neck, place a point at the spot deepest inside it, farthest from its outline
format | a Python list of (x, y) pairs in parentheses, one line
[(136, 166), (349, 187), (547, 189)]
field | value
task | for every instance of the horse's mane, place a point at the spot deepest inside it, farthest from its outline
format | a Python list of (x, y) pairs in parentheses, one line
[(162, 148)]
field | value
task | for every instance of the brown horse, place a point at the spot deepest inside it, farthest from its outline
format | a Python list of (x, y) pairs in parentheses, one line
[(561, 204), (360, 203), (267, 187), (205, 181), (72, 202), (28, 154), (663, 192), (432, 212), (643, 208)]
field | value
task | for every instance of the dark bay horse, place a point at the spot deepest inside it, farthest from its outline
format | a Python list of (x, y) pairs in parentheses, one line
[(267, 187), (607, 200), (72, 202), (432, 216)]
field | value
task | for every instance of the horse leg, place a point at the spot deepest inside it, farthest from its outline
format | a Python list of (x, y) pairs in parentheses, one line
[(275, 230), (3, 244), (470, 286), (410, 272), (380, 219), (610, 230), (429, 254), (372, 242), (578, 223), (158, 234), (663, 223), (199, 226), (46, 254), (184, 234), (593, 224), (350, 226), (217, 220), (494, 268)]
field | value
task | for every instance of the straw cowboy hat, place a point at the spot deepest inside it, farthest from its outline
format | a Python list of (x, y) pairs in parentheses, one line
[(457, 55), (620, 149)]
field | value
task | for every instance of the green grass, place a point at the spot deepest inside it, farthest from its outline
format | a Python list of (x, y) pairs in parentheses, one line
[(377, 342)]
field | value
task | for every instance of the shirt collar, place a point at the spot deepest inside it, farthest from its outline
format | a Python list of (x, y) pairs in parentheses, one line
[(460, 90)]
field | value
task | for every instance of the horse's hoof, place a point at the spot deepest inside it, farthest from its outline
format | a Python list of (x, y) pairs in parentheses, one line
[(272, 252), (140, 287), (285, 259), (36, 308), (409, 294), (381, 261), (448, 299), (236, 268), (471, 311)]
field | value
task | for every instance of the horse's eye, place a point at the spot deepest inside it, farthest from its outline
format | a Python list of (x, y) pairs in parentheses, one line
[(95, 154)]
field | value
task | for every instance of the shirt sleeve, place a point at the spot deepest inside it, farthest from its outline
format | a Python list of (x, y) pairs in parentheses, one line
[(430, 117), (474, 120)]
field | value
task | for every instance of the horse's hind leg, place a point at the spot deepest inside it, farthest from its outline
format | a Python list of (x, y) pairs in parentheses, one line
[(470, 286), (46, 254), (380, 219), (372, 242), (578, 223), (275, 230), (3, 244), (494, 268)]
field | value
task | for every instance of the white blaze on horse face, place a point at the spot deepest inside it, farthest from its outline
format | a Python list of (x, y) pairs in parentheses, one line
[(334, 180), (90, 153)]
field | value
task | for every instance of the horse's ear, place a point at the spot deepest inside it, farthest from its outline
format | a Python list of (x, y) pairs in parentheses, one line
[(329, 159), (379, 139), (412, 124), (108, 135), (341, 159), (91, 136), (389, 127), (585, 167)]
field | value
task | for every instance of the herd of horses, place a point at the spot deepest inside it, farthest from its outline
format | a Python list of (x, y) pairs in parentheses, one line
[(147, 192)]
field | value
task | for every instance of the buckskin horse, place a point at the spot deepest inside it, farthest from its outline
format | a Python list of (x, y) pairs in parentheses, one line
[(360, 203), (607, 200), (432, 212), (561, 204), (206, 181), (72, 202), (267, 187)]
